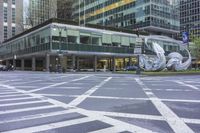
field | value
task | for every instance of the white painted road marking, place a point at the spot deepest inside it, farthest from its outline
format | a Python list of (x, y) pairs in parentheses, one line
[(38, 116), (82, 97), (27, 109), (117, 123), (57, 84), (22, 103), (172, 119), (51, 126), (188, 85)]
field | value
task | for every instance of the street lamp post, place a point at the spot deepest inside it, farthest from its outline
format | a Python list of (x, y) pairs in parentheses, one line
[(138, 51), (60, 53)]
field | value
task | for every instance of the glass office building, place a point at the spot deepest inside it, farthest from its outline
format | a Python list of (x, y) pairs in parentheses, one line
[(190, 16), (57, 42), (160, 17)]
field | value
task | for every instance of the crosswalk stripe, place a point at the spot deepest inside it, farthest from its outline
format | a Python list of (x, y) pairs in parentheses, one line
[(81, 98), (39, 116), (176, 123), (21, 103), (27, 109), (188, 85), (13, 99), (57, 84), (12, 95), (117, 123), (192, 121), (109, 130), (128, 115), (10, 92), (51, 126)]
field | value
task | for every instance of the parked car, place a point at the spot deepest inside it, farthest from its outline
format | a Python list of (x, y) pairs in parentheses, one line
[(3, 68), (7, 68), (131, 68)]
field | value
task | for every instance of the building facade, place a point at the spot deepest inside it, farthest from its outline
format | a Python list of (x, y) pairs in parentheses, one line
[(64, 9), (60, 43), (11, 16), (190, 16), (39, 11), (160, 17)]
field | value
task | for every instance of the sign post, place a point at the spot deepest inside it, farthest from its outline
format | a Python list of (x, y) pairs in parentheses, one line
[(138, 52)]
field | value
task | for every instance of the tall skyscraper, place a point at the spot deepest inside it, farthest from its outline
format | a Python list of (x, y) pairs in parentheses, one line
[(39, 11), (154, 16), (190, 16), (64, 9), (11, 16)]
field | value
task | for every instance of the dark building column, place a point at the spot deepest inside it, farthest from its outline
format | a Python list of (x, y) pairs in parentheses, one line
[(22, 64), (113, 64), (95, 63), (14, 63), (124, 62), (7, 63), (47, 62), (77, 63), (33, 64), (73, 62), (129, 61)]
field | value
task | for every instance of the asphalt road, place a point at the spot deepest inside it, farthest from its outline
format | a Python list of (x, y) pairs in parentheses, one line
[(98, 103)]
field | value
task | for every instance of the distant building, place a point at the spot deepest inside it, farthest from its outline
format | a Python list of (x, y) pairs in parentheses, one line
[(160, 17), (190, 16), (42, 10), (11, 12), (64, 9), (39, 11)]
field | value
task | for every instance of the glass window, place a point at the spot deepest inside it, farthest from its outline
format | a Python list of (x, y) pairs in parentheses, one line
[(13, 31), (13, 2), (13, 15), (5, 14)]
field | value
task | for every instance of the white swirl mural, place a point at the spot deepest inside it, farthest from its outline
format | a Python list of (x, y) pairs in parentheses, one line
[(158, 62)]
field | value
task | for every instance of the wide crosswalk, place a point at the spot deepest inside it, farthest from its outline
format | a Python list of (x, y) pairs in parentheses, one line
[(24, 113)]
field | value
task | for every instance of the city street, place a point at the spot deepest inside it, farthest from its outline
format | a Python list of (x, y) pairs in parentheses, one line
[(98, 103)]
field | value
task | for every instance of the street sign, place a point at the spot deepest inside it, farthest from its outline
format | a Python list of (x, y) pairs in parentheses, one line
[(137, 50), (138, 46), (139, 40)]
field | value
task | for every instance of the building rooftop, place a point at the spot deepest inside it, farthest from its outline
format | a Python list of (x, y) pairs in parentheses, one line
[(69, 22)]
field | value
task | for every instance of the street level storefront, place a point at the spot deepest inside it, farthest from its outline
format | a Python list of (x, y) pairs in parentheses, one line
[(72, 47)]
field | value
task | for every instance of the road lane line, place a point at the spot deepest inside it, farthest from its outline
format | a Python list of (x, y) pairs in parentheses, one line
[(12, 92), (142, 99), (188, 85), (38, 116), (22, 103), (21, 83), (129, 115), (192, 121), (16, 99), (27, 109), (12, 95), (82, 97), (117, 123), (51, 126), (176, 123), (108, 97), (57, 84), (108, 130), (53, 95)]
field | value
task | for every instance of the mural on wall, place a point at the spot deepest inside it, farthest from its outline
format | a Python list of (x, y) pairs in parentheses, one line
[(158, 61)]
